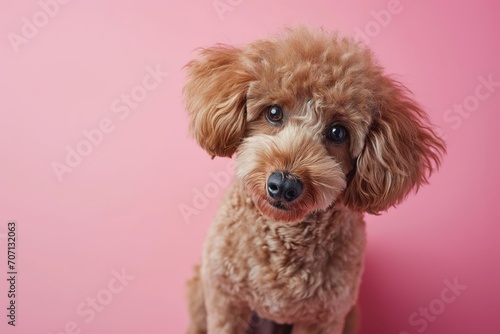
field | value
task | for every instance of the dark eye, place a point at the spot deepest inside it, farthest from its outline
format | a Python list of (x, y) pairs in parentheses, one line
[(274, 114), (337, 134)]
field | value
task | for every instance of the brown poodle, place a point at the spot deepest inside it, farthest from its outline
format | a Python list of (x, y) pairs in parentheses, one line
[(321, 135)]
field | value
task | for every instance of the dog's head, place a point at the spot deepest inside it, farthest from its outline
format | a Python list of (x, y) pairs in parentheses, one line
[(313, 120)]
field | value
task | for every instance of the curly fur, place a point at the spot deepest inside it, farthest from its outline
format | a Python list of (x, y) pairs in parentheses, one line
[(301, 263)]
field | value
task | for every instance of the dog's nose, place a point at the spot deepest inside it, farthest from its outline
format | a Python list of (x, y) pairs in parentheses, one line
[(281, 186)]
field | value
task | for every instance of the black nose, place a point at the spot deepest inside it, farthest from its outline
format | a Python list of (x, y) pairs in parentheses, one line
[(281, 186)]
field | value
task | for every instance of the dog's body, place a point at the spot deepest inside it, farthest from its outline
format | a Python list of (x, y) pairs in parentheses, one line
[(300, 273), (321, 135)]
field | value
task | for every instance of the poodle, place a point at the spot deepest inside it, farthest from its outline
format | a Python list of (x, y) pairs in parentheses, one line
[(321, 135)]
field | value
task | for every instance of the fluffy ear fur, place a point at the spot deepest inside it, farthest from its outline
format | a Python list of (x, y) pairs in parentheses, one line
[(215, 99), (400, 153)]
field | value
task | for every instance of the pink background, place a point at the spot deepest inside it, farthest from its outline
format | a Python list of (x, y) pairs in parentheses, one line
[(120, 206)]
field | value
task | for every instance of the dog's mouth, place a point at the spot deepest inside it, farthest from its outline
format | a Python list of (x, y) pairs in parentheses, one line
[(279, 205), (281, 211)]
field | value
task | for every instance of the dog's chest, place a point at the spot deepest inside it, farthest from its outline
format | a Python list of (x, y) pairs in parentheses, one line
[(301, 278), (288, 272)]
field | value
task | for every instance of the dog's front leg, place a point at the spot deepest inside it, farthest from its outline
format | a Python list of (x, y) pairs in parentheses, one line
[(225, 315)]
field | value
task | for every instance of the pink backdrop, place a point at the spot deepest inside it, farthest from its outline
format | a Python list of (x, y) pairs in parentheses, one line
[(96, 162)]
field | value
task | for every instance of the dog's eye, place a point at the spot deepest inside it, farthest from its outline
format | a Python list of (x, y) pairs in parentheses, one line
[(337, 134), (274, 114)]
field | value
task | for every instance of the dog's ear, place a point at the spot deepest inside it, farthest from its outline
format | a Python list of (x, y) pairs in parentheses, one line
[(215, 99), (400, 153)]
